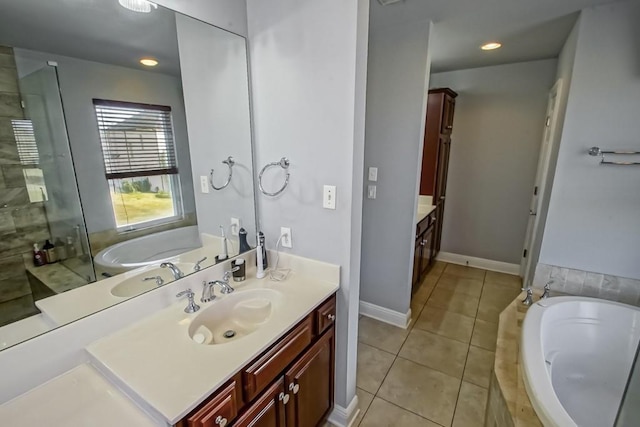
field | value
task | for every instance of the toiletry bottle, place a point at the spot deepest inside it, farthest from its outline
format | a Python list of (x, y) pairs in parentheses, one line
[(225, 250), (259, 263), (261, 242), (49, 252), (38, 256), (61, 249), (242, 238), (71, 248)]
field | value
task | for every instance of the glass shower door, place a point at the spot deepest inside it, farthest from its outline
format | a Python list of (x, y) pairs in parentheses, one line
[(51, 177), (629, 412)]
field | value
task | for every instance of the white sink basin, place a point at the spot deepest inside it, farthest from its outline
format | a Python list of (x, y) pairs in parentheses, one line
[(234, 316), (136, 285)]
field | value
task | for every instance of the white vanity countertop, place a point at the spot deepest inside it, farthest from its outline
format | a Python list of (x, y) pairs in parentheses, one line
[(80, 397), (169, 374)]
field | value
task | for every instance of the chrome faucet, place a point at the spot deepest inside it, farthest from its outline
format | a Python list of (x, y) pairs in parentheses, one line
[(177, 274), (198, 267), (528, 300), (192, 307), (547, 290), (225, 288), (159, 280)]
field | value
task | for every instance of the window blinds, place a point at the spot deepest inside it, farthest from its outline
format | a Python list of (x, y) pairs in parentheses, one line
[(136, 139)]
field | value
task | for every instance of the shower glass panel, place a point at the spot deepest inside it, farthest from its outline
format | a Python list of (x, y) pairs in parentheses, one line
[(629, 412), (49, 173)]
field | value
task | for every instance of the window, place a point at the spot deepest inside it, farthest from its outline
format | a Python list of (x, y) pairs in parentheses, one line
[(29, 159), (140, 162)]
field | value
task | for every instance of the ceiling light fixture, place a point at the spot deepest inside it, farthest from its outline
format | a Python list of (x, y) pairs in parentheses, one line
[(149, 62), (142, 6), (491, 46)]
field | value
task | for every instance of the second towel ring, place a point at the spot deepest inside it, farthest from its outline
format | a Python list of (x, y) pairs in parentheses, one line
[(284, 164), (229, 162)]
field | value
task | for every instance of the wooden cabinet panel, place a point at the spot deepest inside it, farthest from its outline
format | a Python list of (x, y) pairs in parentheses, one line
[(267, 411), (448, 107), (309, 383), (219, 409), (417, 256), (325, 315), (268, 366)]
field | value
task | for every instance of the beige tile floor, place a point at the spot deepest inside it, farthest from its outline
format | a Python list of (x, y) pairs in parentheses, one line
[(435, 373)]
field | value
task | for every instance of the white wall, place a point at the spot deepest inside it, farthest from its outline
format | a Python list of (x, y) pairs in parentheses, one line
[(593, 221), (80, 82), (398, 75), (215, 78), (307, 76), (564, 73), (230, 15), (497, 132)]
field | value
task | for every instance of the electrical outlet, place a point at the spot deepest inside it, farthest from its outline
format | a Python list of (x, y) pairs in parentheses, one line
[(371, 192), (204, 184), (235, 226), (286, 240), (373, 174), (329, 197)]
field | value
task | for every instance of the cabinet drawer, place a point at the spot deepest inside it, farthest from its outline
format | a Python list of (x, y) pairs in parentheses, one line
[(220, 410), (325, 315), (267, 367), (422, 226)]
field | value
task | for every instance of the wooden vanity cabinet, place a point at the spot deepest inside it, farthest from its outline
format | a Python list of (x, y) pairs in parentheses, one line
[(424, 248), (291, 384)]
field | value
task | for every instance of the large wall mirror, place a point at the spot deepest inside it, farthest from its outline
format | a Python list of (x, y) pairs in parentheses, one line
[(125, 144)]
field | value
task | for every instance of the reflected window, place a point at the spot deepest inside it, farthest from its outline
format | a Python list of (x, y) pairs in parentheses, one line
[(140, 162), (29, 159)]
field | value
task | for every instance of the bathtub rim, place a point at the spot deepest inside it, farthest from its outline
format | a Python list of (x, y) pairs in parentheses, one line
[(111, 267), (534, 372)]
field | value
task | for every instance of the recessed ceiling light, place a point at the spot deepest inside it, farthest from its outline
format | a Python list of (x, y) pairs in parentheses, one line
[(142, 6), (149, 62), (491, 46)]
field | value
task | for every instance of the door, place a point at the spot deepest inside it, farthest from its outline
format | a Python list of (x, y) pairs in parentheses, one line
[(540, 185), (309, 382), (268, 410)]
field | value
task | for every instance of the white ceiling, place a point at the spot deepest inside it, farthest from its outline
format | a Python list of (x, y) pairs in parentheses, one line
[(528, 29), (96, 30)]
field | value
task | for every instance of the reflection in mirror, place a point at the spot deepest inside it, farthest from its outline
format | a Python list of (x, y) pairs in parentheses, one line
[(111, 122)]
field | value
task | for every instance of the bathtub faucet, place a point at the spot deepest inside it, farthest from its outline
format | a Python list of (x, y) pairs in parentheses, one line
[(528, 300), (547, 290), (177, 274)]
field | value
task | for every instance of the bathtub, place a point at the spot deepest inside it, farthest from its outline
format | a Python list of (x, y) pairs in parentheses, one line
[(576, 356), (147, 250)]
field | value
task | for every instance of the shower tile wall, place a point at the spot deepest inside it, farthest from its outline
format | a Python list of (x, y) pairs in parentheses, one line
[(588, 284), (21, 223)]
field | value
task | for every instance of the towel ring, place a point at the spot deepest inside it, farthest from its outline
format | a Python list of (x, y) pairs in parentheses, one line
[(284, 164), (229, 162)]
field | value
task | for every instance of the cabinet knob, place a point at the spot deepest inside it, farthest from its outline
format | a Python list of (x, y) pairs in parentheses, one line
[(221, 421), (295, 388), (284, 398), (331, 317)]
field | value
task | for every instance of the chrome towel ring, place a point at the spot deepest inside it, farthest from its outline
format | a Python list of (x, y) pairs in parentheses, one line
[(284, 164), (229, 162)]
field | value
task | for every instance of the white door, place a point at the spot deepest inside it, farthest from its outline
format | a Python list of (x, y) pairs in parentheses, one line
[(539, 189)]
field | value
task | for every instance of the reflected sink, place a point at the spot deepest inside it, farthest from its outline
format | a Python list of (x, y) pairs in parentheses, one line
[(235, 316), (136, 285)]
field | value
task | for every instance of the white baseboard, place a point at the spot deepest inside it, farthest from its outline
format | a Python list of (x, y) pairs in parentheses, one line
[(345, 417), (486, 264), (395, 318)]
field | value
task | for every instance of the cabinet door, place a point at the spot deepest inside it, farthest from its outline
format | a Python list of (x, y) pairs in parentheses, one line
[(309, 383), (417, 256), (448, 107), (442, 168), (427, 247), (437, 238), (268, 410)]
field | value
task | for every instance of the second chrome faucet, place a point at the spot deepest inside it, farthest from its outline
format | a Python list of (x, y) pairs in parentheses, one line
[(208, 287)]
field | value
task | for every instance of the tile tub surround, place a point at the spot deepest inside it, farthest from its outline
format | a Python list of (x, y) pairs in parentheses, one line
[(436, 372), (21, 222), (588, 284), (508, 403)]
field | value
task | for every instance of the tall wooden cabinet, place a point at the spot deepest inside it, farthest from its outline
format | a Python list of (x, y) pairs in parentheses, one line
[(435, 157)]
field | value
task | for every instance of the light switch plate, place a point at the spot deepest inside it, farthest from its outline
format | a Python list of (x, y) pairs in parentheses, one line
[(373, 174), (329, 197), (371, 192), (204, 184)]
